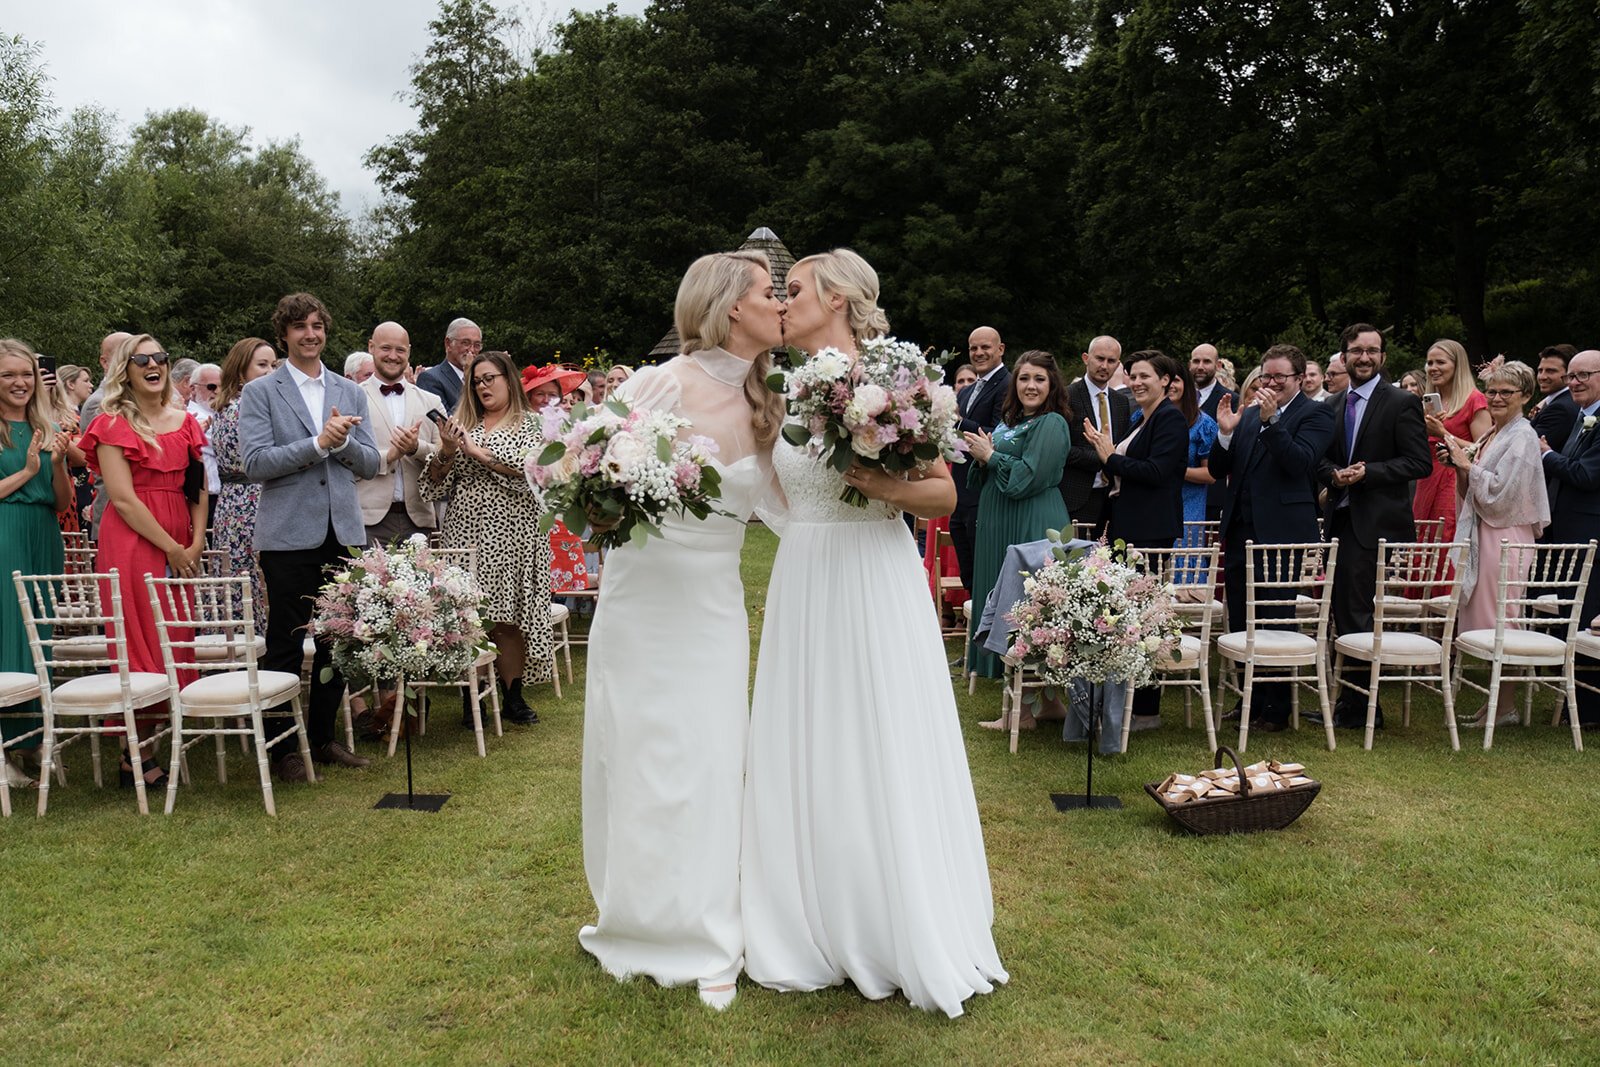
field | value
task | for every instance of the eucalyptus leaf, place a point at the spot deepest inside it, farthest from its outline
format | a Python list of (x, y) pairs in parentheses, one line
[(796, 434), (552, 452)]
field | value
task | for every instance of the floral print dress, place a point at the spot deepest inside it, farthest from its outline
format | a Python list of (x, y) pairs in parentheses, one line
[(233, 520)]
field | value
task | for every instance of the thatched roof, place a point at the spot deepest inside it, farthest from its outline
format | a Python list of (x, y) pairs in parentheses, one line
[(761, 239)]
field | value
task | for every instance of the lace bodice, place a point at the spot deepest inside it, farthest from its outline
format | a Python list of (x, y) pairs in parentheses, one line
[(813, 489)]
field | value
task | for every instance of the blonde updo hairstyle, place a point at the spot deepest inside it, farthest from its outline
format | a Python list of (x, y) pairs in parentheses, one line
[(844, 272), (710, 287)]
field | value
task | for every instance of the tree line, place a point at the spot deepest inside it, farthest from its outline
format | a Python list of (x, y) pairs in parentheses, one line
[(1235, 172)]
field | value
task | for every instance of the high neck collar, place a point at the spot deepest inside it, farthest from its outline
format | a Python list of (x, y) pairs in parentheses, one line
[(723, 365)]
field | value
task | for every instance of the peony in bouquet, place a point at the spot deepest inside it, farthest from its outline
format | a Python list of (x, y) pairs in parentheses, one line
[(888, 409), (1092, 615), (624, 463), (399, 612)]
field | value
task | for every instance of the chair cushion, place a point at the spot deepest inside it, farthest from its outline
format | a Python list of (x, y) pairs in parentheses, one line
[(1399, 607), (1400, 647), (1588, 644), (213, 648), (1188, 656), (98, 692), (88, 648), (1273, 647), (231, 689), (1438, 605), (1524, 647), (1548, 604), (15, 687), (558, 614), (1193, 609)]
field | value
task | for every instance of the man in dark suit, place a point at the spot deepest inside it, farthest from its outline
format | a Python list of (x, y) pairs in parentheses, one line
[(1379, 450), (304, 435), (1209, 392), (462, 341), (979, 405), (1084, 483), (1572, 478), (1268, 455), (1552, 417)]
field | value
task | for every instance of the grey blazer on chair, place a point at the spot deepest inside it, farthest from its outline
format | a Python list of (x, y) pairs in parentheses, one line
[(303, 492)]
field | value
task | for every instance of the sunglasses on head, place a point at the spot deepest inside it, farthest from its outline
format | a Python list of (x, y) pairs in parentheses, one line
[(144, 359)]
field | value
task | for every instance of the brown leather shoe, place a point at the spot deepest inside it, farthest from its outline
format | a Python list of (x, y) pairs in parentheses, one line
[(334, 752), (289, 767)]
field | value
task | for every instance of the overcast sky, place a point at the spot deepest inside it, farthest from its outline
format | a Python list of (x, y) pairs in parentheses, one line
[(330, 72)]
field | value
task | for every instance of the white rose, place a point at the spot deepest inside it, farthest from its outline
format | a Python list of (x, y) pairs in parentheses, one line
[(873, 399), (624, 453), (1152, 643), (866, 444), (944, 402)]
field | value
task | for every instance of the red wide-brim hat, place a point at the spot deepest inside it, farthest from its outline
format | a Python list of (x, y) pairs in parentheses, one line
[(568, 380)]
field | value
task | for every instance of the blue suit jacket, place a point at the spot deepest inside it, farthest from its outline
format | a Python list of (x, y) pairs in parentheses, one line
[(441, 380), (302, 492), (1273, 466), (1149, 502), (1572, 478)]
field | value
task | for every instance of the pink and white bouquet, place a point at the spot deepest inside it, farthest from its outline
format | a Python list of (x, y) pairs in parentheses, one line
[(1092, 615), (888, 409), (625, 464), (401, 612)]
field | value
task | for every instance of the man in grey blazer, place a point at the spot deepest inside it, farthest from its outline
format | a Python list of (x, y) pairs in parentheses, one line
[(303, 433)]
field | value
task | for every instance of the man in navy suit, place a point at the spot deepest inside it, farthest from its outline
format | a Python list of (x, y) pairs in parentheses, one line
[(1269, 454), (979, 405), (1085, 486), (1379, 450), (462, 341), (1552, 417), (1572, 478), (1209, 393)]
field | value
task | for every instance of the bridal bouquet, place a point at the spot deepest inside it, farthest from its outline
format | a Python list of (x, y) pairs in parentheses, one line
[(1090, 615), (626, 464), (401, 612), (887, 410)]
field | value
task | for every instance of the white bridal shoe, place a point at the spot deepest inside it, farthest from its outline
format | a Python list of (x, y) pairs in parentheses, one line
[(718, 996)]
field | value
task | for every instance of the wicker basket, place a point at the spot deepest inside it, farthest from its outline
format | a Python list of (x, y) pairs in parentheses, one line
[(1244, 813)]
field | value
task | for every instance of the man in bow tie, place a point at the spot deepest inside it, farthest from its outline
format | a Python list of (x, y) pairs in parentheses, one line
[(391, 503), (1572, 478)]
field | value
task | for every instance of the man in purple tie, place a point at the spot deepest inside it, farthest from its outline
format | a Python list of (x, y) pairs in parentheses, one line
[(1379, 450)]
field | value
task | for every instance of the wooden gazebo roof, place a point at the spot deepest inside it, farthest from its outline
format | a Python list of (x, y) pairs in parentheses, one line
[(761, 239)]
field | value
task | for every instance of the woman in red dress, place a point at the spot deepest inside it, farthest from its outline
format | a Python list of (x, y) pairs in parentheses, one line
[(1466, 418), (141, 447)]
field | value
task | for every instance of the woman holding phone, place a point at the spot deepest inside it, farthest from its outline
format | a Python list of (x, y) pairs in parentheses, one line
[(1453, 407)]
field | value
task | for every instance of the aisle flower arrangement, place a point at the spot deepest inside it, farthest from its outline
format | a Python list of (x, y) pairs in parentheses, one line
[(1094, 614), (889, 409), (624, 464), (401, 612)]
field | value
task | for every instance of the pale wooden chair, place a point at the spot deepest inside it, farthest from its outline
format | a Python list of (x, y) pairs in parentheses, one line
[(561, 633), (1192, 574), (1274, 577), (1548, 610), (592, 593), (1402, 636), (943, 584), (1019, 678), (89, 698), (16, 689), (229, 679)]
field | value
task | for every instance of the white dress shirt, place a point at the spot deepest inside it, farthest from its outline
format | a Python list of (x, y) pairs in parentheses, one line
[(312, 391), (395, 405), (1100, 480)]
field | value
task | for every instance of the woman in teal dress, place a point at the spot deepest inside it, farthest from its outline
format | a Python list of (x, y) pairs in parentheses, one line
[(1017, 471), (34, 485)]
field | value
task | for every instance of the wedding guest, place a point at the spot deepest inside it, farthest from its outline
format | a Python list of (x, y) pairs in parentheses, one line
[(86, 416), (1411, 382), (143, 445), (1084, 484), (1572, 482), (1206, 383), (1379, 450), (1226, 375), (979, 405), (34, 485), (1147, 472), (1247, 391), (965, 376), (1017, 473), (549, 384), (183, 382), (1553, 416), (393, 506), (1198, 482), (76, 387), (1312, 384), (203, 386), (597, 387), (1501, 497), (1338, 378), (462, 341), (619, 373), (1466, 418), (304, 434), (480, 459), (358, 366), (233, 519)]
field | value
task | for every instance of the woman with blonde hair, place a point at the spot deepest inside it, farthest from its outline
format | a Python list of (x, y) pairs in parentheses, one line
[(233, 521), (666, 709), (855, 743), (143, 448), (33, 486), (619, 373), (1464, 417)]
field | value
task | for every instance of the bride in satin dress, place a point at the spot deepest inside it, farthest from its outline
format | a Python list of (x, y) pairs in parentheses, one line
[(863, 857), (666, 711)]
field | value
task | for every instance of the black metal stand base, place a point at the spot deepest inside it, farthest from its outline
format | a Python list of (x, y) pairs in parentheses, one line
[(1078, 801), (417, 801)]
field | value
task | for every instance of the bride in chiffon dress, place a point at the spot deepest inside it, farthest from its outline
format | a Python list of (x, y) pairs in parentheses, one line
[(863, 856), (666, 710)]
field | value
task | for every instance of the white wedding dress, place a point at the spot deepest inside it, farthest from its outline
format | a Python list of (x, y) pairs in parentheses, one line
[(667, 709), (863, 857)]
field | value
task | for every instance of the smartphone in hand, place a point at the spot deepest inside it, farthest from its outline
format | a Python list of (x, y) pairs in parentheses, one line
[(1433, 404)]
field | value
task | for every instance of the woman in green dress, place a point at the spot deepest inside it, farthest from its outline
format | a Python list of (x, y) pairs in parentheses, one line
[(1017, 471), (34, 485)]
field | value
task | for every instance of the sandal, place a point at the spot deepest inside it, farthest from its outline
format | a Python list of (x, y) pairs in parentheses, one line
[(146, 767), (16, 779)]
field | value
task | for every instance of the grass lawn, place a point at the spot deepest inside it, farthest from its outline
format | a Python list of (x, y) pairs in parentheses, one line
[(1430, 906)]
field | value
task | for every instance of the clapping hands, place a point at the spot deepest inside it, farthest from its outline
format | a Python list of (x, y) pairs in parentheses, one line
[(1103, 446)]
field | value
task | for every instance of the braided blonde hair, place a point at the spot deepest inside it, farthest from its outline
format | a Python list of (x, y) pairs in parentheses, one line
[(844, 272)]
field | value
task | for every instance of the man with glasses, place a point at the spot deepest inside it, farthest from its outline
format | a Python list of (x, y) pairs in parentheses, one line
[(203, 386), (462, 341), (304, 435), (1379, 450), (1269, 453), (1552, 417), (1572, 479)]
